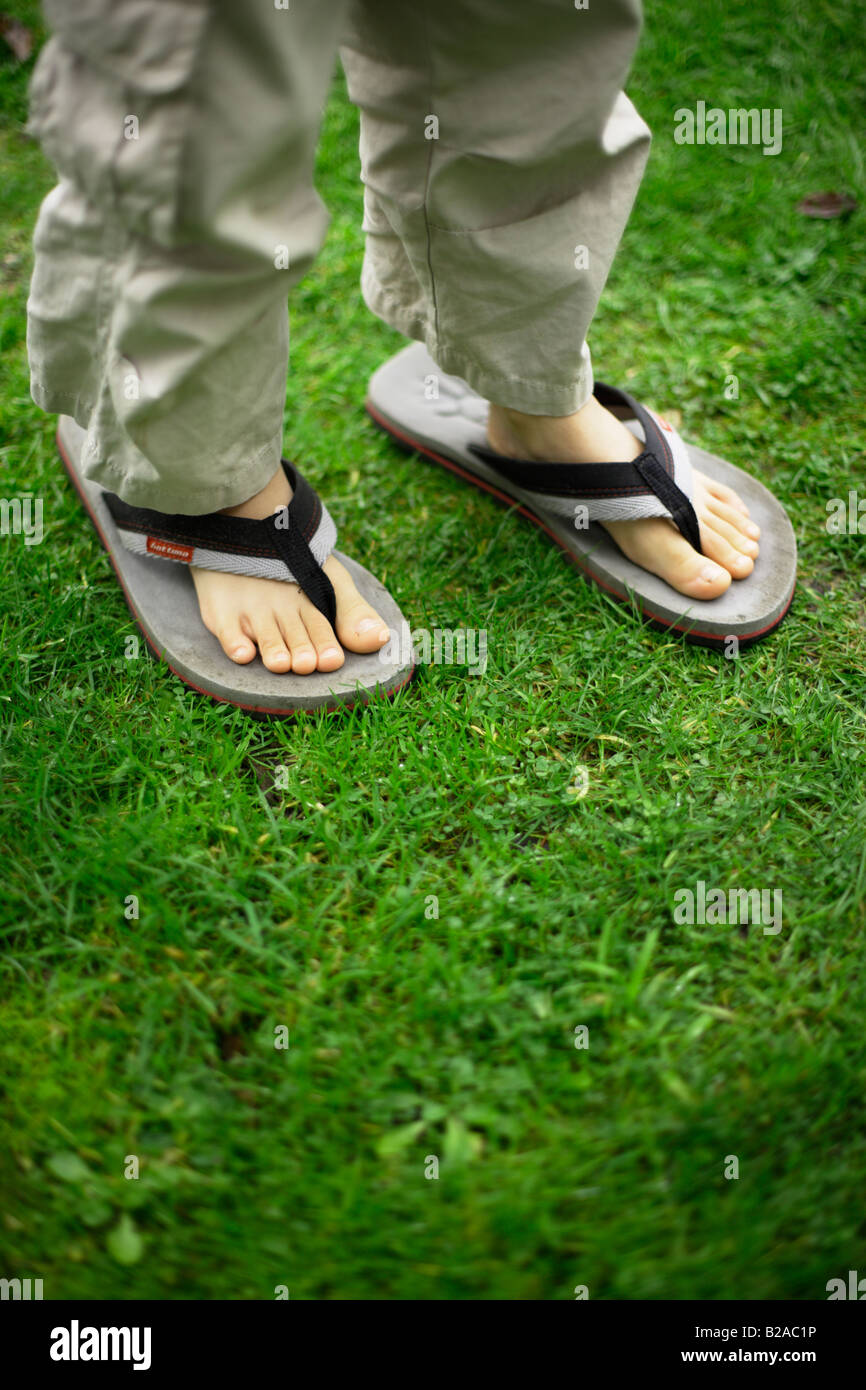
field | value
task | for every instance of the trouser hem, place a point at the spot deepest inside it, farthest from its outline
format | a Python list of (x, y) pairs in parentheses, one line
[(531, 396), (245, 483)]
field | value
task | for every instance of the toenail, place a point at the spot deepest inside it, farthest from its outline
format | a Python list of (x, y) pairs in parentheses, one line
[(241, 651), (366, 623), (752, 529), (711, 573), (330, 651)]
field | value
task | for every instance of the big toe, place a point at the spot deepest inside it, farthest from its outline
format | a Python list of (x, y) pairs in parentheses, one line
[(359, 627), (697, 576), (657, 546), (717, 548)]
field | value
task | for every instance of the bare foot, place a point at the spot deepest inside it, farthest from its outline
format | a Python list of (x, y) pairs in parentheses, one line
[(289, 631), (592, 435)]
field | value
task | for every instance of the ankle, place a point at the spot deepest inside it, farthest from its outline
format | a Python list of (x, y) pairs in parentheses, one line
[(276, 493), (591, 435), (515, 434)]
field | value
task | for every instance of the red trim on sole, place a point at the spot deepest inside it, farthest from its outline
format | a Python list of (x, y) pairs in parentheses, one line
[(202, 690), (691, 634)]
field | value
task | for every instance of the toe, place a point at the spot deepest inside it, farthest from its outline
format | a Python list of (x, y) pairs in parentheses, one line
[(693, 574), (723, 493), (297, 638), (234, 643), (734, 536), (329, 653), (734, 517), (359, 627), (272, 647), (716, 548), (659, 547)]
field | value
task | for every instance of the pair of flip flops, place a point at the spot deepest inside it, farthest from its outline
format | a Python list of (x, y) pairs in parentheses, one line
[(442, 419)]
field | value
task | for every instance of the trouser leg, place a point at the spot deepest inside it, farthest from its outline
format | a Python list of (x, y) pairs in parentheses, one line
[(500, 159), (184, 134)]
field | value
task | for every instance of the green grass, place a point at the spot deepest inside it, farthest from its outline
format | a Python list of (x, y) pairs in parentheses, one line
[(412, 1035)]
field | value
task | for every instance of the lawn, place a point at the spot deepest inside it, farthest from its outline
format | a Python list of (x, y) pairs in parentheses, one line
[(408, 895)]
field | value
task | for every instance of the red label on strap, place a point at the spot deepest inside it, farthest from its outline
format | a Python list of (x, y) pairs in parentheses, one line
[(170, 549)]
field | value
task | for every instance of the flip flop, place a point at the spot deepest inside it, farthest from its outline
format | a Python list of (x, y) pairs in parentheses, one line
[(150, 553), (443, 419)]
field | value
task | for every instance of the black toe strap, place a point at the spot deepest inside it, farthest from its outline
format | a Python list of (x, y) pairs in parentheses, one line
[(678, 504), (653, 471), (241, 545), (292, 545)]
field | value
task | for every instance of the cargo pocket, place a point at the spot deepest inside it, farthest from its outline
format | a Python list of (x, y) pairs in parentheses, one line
[(111, 105)]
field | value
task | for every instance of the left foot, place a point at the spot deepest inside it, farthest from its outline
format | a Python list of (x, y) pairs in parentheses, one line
[(593, 435), (276, 616)]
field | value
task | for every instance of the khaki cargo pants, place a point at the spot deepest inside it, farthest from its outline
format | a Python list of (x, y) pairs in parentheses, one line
[(499, 157)]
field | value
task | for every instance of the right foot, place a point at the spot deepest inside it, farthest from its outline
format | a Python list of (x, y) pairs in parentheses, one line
[(276, 617), (729, 539)]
